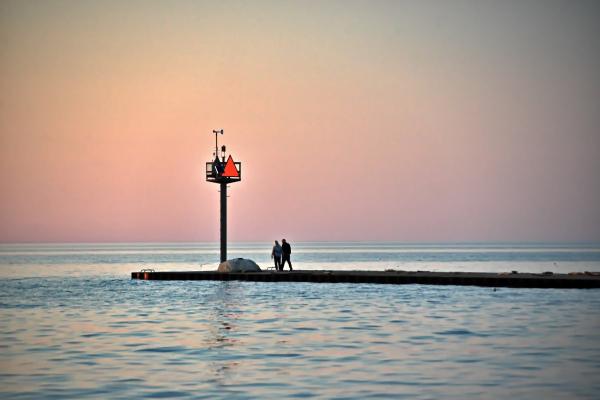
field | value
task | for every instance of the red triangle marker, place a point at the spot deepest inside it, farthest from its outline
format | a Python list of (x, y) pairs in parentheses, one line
[(230, 169)]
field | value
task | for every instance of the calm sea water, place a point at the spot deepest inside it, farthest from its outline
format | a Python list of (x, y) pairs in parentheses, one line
[(73, 325)]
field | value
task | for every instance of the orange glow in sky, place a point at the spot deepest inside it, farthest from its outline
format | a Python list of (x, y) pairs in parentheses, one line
[(408, 121)]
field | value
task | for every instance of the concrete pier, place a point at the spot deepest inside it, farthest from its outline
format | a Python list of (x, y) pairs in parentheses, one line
[(517, 280)]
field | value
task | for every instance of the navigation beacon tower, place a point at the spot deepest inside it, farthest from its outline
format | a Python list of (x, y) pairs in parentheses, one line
[(223, 171)]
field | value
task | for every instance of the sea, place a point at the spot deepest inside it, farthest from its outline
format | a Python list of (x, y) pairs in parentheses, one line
[(74, 325)]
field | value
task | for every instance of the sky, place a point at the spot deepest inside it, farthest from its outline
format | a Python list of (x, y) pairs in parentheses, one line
[(412, 121)]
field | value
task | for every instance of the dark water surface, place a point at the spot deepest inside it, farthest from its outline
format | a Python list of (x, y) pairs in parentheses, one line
[(88, 331)]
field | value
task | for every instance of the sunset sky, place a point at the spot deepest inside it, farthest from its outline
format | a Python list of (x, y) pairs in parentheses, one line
[(354, 120)]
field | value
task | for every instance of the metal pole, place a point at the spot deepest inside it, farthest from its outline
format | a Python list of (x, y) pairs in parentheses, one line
[(217, 141), (223, 221)]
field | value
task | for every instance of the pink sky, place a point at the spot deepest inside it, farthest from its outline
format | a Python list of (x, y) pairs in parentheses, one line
[(408, 121)]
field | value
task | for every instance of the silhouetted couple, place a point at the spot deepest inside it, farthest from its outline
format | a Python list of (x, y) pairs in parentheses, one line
[(281, 254)]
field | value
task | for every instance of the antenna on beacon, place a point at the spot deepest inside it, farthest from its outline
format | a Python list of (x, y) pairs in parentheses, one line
[(217, 141)]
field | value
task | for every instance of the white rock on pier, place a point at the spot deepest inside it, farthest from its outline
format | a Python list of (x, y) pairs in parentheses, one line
[(238, 265)]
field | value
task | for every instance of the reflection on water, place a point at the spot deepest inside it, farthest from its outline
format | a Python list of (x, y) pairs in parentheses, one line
[(225, 300), (111, 337)]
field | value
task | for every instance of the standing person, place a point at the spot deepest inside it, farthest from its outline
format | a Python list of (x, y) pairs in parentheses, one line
[(276, 256), (287, 250)]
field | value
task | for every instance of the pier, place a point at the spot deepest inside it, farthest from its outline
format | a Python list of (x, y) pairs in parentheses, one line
[(516, 280)]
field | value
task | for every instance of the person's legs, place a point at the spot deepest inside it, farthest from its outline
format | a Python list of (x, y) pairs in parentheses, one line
[(277, 261), (286, 257)]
